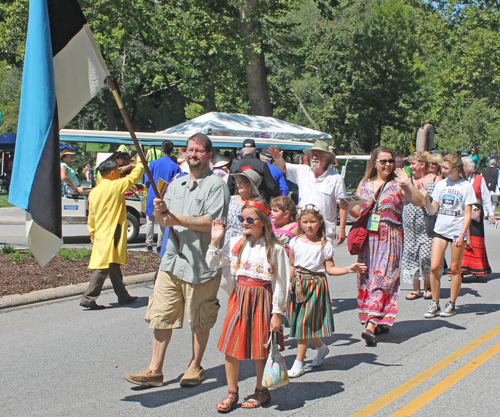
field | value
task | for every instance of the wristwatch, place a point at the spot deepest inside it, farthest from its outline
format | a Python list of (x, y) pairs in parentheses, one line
[(465, 234)]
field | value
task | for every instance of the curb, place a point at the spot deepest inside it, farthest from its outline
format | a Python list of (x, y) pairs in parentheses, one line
[(17, 300)]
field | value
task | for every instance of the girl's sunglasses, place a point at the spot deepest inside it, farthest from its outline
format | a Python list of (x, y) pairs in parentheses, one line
[(250, 220)]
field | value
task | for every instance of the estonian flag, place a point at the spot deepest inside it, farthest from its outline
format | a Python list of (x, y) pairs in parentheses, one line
[(63, 70)]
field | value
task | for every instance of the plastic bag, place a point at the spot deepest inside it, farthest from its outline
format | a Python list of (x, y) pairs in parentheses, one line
[(275, 372)]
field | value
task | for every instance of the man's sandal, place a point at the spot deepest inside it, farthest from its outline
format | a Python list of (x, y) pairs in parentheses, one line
[(259, 398), (229, 402), (413, 296), (427, 294)]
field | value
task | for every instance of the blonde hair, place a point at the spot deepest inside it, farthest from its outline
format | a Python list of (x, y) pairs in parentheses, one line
[(371, 170), (469, 163), (285, 203), (423, 157), (318, 216), (455, 161), (270, 238)]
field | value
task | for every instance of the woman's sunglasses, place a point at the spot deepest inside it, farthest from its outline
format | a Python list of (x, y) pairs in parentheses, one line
[(385, 161), (250, 220)]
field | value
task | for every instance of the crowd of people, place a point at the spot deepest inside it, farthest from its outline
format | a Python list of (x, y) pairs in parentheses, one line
[(231, 224)]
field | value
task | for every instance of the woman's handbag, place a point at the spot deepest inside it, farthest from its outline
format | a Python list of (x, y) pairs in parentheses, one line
[(475, 214), (430, 222), (358, 235), (275, 372)]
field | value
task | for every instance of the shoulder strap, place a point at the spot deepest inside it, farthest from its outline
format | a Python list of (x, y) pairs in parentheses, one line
[(237, 246)]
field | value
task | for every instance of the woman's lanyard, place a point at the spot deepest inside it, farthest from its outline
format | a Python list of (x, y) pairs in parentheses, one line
[(374, 220)]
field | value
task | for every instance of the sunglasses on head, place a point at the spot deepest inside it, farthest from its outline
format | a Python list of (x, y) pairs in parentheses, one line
[(385, 161), (249, 220)]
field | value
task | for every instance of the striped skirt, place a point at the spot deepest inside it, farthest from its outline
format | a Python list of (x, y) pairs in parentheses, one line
[(475, 260), (313, 317), (247, 323)]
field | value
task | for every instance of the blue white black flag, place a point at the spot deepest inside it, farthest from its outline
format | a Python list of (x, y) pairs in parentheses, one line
[(63, 70)]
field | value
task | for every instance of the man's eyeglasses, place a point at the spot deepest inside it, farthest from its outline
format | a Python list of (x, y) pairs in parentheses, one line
[(198, 151), (249, 220), (385, 161)]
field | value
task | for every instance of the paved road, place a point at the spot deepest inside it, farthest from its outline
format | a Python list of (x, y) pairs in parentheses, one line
[(13, 232), (59, 360)]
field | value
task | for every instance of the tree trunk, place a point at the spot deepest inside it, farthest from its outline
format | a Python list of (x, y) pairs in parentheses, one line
[(258, 90), (110, 103)]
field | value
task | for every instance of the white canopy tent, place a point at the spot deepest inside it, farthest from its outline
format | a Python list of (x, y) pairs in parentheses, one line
[(243, 125)]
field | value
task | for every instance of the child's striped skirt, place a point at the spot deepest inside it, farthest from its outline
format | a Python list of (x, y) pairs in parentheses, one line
[(313, 317), (247, 324)]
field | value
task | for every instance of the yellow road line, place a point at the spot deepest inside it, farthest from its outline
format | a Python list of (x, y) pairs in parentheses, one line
[(423, 376), (11, 236), (446, 383)]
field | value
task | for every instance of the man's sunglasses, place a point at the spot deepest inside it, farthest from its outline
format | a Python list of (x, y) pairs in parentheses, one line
[(250, 220), (385, 161)]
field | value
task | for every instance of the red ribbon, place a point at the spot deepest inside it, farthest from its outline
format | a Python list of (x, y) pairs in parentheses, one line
[(258, 206)]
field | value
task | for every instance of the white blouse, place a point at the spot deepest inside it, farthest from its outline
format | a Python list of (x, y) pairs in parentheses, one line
[(309, 256), (254, 264)]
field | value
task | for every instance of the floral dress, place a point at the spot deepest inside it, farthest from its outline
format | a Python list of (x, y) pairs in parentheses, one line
[(233, 224), (378, 287), (417, 243)]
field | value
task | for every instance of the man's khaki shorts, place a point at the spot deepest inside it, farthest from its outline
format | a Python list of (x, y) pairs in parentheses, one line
[(171, 295)]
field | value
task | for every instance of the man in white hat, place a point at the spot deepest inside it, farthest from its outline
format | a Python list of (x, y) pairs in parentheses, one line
[(319, 185)]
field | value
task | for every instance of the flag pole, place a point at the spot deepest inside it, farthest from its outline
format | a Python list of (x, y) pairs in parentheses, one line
[(138, 146)]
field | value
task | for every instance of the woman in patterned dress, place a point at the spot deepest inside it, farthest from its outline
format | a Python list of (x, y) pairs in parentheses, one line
[(416, 262), (378, 288)]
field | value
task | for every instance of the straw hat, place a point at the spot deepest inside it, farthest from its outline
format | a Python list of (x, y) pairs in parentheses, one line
[(322, 146), (67, 151), (220, 160), (254, 178)]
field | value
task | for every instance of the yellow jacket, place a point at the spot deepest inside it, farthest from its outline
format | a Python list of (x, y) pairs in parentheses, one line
[(107, 221)]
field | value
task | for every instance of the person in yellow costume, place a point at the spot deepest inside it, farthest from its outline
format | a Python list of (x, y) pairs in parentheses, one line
[(108, 231)]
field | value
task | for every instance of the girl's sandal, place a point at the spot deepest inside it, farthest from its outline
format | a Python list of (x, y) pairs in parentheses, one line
[(427, 294), (368, 336), (413, 295), (259, 398), (229, 402)]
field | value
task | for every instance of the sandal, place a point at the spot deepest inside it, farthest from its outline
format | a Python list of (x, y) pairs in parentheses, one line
[(368, 336), (427, 294), (259, 398), (413, 295), (229, 402)]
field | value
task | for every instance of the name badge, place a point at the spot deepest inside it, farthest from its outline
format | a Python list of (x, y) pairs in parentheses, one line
[(373, 222)]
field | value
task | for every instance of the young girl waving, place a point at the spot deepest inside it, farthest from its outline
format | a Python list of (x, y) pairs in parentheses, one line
[(260, 267), (452, 200), (283, 217), (310, 309)]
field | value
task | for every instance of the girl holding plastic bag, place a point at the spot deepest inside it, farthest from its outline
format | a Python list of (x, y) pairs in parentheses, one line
[(260, 268)]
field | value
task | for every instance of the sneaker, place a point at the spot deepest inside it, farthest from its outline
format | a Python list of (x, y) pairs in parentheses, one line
[(449, 310), (296, 374), (146, 377), (317, 361), (433, 311), (192, 377)]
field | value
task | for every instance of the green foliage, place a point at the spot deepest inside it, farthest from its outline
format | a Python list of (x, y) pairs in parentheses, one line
[(16, 257), (29, 253), (77, 254), (7, 248), (4, 201)]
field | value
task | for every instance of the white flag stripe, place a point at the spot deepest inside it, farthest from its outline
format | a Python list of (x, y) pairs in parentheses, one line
[(78, 74), (43, 244)]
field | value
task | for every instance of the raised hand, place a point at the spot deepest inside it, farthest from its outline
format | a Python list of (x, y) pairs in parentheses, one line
[(217, 230), (275, 152), (402, 177), (424, 191)]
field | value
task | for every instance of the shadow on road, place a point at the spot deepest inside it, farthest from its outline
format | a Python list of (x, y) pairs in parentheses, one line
[(344, 305), (471, 279), (405, 330)]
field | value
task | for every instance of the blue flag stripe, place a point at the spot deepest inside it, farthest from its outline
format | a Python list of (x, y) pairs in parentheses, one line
[(37, 107)]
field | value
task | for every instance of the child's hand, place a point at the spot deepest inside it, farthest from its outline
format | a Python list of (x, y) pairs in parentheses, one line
[(217, 229), (358, 268), (275, 322)]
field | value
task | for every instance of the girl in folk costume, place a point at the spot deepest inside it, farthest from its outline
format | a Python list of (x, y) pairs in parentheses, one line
[(310, 311), (475, 260), (260, 267), (283, 217), (452, 200)]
